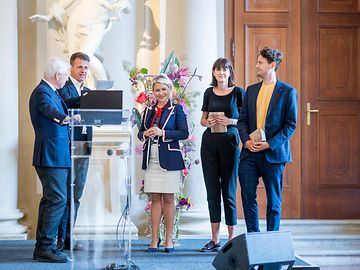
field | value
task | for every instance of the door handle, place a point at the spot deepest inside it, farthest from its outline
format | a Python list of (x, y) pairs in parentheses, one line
[(308, 112)]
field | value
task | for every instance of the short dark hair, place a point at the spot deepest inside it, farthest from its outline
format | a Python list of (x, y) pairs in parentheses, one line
[(225, 64), (79, 55), (272, 55)]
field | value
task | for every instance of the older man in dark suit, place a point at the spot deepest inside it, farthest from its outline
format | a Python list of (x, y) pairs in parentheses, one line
[(270, 105), (49, 117), (71, 93)]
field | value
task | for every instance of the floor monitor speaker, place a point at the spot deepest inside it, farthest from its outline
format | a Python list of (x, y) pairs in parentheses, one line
[(258, 250)]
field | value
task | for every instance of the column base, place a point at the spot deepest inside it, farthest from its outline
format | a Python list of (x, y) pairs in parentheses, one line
[(195, 224), (106, 232), (9, 228)]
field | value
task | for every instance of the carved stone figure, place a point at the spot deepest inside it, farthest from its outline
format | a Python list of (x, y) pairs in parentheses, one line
[(83, 29)]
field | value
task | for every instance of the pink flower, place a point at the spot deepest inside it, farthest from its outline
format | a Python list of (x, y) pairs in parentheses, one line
[(183, 81), (184, 72), (139, 148), (142, 98), (191, 138), (153, 100), (184, 106), (185, 172), (148, 206)]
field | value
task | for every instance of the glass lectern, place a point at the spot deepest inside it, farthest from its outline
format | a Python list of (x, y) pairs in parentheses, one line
[(103, 227)]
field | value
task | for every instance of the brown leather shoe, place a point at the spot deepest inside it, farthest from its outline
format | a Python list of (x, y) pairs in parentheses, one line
[(211, 246)]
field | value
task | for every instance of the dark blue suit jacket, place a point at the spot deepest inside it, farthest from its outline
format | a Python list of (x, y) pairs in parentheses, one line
[(47, 111), (71, 97), (280, 123), (173, 122)]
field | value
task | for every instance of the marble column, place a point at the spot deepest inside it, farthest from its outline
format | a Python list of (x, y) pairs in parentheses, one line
[(191, 31), (9, 136)]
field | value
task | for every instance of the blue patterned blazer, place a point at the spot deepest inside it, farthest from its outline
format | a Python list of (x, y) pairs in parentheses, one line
[(174, 125)]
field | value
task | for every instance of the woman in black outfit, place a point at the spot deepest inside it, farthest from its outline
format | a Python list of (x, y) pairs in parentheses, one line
[(220, 147)]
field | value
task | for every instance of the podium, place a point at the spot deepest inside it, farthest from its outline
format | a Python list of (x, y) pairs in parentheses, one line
[(104, 137)]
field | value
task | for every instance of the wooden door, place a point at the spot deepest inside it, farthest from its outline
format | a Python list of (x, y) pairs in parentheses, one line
[(252, 25), (331, 85)]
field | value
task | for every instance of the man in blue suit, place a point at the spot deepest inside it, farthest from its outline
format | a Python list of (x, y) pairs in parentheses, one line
[(49, 117), (71, 93), (270, 105)]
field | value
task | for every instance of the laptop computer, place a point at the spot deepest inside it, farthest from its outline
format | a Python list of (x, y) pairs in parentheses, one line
[(101, 104), (101, 99)]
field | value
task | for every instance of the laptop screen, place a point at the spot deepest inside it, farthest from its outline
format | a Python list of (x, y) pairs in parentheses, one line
[(102, 99)]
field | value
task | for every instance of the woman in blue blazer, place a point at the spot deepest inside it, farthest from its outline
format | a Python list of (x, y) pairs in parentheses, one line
[(163, 125)]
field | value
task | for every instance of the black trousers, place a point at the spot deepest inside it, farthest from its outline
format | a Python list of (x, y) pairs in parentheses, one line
[(220, 159)]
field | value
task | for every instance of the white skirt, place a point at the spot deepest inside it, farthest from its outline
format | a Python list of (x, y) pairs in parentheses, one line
[(157, 180)]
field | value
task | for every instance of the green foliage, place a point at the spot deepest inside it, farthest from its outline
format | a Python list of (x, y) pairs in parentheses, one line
[(137, 117)]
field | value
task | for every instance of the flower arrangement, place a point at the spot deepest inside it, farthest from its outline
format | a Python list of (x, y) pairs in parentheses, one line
[(141, 85)]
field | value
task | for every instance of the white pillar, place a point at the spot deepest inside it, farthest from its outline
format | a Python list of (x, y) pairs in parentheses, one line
[(9, 214), (191, 31)]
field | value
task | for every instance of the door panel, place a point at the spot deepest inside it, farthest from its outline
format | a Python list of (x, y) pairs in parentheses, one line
[(330, 79)]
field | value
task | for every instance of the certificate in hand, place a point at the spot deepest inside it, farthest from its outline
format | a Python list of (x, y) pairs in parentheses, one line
[(258, 135), (217, 128)]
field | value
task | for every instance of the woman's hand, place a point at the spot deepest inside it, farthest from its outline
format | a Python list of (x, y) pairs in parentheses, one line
[(210, 122), (223, 120), (152, 132)]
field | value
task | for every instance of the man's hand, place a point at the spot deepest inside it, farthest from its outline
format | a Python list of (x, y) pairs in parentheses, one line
[(66, 120), (256, 146), (77, 118)]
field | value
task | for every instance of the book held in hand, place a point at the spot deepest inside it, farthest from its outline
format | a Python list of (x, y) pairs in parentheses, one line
[(258, 135), (217, 128)]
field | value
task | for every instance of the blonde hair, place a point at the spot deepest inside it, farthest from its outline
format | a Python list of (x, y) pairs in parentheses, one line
[(163, 79)]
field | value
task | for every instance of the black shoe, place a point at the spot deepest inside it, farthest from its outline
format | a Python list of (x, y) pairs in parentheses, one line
[(211, 246), (77, 246), (170, 249), (36, 251), (50, 255), (65, 245)]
